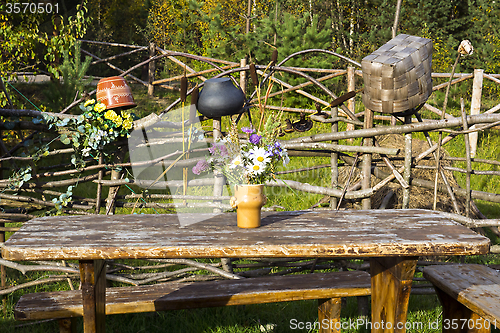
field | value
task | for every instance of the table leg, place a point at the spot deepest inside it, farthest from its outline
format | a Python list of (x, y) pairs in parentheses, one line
[(93, 277), (391, 286)]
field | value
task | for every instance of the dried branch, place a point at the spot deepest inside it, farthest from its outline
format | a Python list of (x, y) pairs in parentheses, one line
[(30, 268), (321, 190), (32, 113), (31, 284), (341, 148), (60, 183), (157, 185), (164, 275), (174, 197), (401, 129), (39, 201), (200, 265)]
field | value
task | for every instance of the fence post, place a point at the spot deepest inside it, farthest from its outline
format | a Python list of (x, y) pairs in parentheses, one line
[(243, 76), (219, 186), (351, 103), (407, 162), (151, 70), (367, 161), (465, 126), (113, 190), (99, 186), (475, 108), (334, 160)]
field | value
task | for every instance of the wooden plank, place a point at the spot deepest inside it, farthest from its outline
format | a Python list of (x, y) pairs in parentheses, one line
[(369, 233), (456, 317), (391, 287), (475, 286), (175, 296)]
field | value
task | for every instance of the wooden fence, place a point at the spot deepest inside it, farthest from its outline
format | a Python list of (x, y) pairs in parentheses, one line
[(376, 160)]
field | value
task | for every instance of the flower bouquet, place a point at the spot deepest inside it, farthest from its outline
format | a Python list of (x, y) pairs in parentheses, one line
[(247, 164)]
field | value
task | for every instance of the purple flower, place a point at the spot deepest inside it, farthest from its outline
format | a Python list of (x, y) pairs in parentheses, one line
[(201, 166), (223, 151), (255, 139), (247, 129), (274, 150), (218, 148)]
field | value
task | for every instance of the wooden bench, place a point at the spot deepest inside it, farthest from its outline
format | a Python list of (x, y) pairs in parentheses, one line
[(327, 288), (470, 295)]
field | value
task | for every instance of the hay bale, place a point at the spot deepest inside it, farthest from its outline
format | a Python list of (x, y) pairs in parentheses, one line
[(419, 197)]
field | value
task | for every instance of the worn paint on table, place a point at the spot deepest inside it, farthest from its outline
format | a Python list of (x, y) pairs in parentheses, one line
[(356, 233)]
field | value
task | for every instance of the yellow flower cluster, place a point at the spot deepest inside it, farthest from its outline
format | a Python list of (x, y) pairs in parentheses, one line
[(111, 115), (125, 120), (99, 107), (128, 122), (90, 101)]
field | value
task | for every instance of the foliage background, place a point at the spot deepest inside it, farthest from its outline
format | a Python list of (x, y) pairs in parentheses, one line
[(35, 42)]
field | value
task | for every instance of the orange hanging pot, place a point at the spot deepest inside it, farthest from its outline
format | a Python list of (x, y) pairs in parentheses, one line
[(114, 92)]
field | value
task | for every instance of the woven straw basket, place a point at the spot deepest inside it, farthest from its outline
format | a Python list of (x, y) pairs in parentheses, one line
[(397, 76)]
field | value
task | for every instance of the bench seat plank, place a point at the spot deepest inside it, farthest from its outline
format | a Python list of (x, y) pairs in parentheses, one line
[(475, 286), (174, 296)]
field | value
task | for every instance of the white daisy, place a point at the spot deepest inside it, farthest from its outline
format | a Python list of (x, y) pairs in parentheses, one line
[(259, 155), (256, 168), (236, 162)]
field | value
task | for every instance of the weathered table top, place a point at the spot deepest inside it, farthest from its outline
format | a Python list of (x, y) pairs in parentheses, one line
[(356, 233)]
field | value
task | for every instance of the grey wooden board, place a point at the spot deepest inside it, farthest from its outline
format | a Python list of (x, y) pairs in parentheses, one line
[(475, 286), (330, 234), (174, 296)]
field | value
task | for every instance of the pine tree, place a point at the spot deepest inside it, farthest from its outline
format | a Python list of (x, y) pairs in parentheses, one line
[(292, 34), (61, 94)]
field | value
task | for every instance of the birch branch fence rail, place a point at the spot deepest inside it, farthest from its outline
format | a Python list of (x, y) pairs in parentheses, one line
[(384, 165)]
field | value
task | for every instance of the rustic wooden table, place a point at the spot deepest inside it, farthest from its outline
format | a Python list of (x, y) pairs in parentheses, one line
[(392, 239)]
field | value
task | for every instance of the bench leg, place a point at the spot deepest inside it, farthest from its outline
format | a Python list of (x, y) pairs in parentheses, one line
[(67, 325), (457, 317), (93, 277), (329, 315), (363, 306), (391, 287)]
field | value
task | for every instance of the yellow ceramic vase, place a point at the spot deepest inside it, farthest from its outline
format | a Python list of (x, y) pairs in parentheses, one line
[(248, 201)]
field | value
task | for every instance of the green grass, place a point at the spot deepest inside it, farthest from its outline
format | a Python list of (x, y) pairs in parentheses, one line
[(238, 319)]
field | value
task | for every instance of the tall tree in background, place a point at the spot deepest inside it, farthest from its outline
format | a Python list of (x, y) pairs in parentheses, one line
[(292, 34), (120, 21), (230, 17), (174, 25), (35, 42)]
